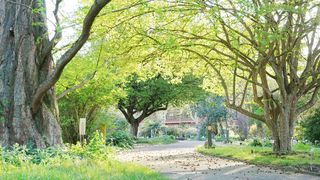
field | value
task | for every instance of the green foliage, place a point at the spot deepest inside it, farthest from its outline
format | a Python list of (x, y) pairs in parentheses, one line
[(173, 131), (120, 125), (147, 96), (21, 155), (311, 127), (93, 87), (255, 143), (165, 139), (96, 147), (90, 161), (219, 138), (157, 92), (151, 128), (120, 139), (72, 162), (212, 109), (82, 169)]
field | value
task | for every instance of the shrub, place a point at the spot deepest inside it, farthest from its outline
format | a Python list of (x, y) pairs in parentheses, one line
[(120, 139), (267, 143), (157, 140), (219, 138), (256, 142), (311, 127), (19, 155), (173, 131)]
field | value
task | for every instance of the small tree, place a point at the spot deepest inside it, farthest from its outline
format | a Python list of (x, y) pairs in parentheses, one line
[(213, 111), (144, 97)]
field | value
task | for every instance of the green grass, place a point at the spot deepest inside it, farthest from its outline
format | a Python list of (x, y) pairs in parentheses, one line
[(79, 169), (93, 160), (157, 140), (263, 155)]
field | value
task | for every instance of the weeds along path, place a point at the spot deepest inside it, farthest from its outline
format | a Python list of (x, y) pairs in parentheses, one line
[(180, 161)]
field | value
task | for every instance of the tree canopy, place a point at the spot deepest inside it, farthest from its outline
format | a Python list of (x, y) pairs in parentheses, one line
[(144, 97)]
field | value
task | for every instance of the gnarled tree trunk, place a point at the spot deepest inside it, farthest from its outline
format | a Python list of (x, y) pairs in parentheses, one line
[(23, 34), (28, 107)]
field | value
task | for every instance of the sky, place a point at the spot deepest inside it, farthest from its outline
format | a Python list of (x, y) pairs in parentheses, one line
[(67, 9)]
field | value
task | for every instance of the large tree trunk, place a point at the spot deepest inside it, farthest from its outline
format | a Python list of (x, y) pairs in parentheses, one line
[(282, 127), (134, 128), (23, 35), (282, 136)]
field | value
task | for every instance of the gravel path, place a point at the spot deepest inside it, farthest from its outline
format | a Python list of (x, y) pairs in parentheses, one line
[(180, 161)]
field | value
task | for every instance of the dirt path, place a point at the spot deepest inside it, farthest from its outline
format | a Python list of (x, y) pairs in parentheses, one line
[(180, 161)]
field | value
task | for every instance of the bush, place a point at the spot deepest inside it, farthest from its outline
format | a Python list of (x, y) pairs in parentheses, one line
[(267, 143), (157, 140), (120, 139), (173, 131), (19, 155), (256, 142), (311, 127), (219, 138)]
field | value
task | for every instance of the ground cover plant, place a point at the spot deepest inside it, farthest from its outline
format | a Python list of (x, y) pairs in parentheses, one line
[(91, 161), (304, 157), (157, 140)]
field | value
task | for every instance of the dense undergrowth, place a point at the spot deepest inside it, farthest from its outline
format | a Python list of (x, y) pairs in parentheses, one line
[(90, 161)]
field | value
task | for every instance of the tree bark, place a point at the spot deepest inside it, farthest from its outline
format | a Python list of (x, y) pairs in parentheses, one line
[(282, 126), (209, 138), (134, 128), (227, 132), (282, 139), (23, 36)]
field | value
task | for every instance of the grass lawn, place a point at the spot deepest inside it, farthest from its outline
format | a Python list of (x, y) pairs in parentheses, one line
[(263, 155), (156, 140), (79, 169)]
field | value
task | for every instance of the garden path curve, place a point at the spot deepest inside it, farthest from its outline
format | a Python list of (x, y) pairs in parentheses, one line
[(181, 161)]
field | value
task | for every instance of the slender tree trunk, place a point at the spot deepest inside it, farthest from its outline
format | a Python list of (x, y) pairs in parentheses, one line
[(227, 131), (222, 131), (209, 138), (134, 128), (23, 35)]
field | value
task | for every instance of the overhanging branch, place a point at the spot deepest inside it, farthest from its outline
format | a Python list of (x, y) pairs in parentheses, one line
[(69, 54)]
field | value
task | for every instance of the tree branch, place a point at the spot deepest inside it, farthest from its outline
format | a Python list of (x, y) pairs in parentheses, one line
[(68, 55), (84, 81), (246, 112)]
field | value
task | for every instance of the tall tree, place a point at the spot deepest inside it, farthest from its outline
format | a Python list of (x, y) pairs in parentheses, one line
[(144, 97), (267, 49), (274, 49), (28, 73)]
